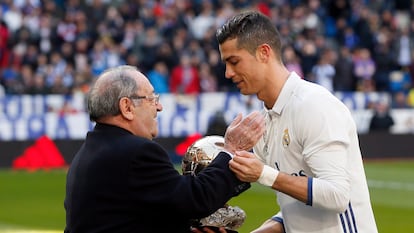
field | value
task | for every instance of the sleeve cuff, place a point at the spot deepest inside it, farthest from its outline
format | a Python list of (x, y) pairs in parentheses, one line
[(310, 196), (231, 155)]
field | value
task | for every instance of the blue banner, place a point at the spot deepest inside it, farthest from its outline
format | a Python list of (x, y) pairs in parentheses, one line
[(65, 117)]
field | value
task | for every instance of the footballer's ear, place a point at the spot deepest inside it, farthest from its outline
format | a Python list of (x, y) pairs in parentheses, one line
[(263, 52), (126, 108)]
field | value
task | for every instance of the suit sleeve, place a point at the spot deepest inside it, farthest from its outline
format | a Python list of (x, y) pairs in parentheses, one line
[(155, 179)]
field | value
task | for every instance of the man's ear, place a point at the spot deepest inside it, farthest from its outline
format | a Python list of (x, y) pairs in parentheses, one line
[(126, 107)]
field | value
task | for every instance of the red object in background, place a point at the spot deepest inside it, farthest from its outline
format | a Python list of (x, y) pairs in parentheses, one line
[(264, 8), (181, 148), (43, 154)]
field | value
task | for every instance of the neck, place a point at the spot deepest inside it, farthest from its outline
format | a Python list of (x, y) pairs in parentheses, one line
[(274, 86)]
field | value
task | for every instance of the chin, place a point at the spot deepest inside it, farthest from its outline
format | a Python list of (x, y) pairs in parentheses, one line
[(245, 92)]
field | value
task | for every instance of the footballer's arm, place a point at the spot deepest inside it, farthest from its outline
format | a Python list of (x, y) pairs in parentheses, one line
[(333, 193), (270, 226)]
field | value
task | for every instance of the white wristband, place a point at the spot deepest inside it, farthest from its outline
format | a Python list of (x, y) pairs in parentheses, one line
[(268, 176)]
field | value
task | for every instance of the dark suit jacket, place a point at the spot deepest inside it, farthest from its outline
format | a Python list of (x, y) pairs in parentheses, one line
[(119, 182)]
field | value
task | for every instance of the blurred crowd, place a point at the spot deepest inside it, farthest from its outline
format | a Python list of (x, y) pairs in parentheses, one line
[(60, 46)]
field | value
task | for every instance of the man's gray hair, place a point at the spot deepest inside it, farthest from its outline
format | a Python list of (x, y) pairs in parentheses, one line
[(108, 89)]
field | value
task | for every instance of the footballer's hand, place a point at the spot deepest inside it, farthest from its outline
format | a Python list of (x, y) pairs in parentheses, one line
[(246, 166), (243, 134)]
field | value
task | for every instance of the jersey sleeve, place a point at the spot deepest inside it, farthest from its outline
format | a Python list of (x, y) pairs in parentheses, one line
[(324, 132)]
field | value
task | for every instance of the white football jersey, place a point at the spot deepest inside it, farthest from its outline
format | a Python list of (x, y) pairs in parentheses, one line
[(309, 132)]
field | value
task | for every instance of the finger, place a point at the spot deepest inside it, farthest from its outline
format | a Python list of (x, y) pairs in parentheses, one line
[(234, 166), (243, 154), (208, 230), (236, 120), (195, 230), (223, 230), (255, 118)]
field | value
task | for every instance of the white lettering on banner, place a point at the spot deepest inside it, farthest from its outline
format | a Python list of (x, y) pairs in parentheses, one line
[(184, 115), (28, 117), (54, 125), (403, 121)]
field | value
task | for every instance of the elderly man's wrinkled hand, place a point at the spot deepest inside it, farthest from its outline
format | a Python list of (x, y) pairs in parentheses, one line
[(243, 134)]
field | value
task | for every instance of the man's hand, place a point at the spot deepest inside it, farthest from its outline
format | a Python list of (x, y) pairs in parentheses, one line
[(246, 166), (209, 230), (243, 134)]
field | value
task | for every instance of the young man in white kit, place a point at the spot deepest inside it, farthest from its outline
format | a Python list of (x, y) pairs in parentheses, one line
[(310, 151)]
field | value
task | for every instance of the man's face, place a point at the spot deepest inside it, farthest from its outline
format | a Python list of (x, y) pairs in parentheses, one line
[(241, 67), (146, 110)]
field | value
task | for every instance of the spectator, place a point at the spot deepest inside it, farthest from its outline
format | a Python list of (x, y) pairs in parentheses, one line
[(4, 40), (208, 82), (323, 72), (364, 69), (400, 81), (38, 86), (158, 77), (164, 53), (292, 60), (150, 44), (185, 77), (66, 28), (410, 98), (381, 120), (362, 26), (218, 69), (384, 61), (154, 30), (13, 17), (10, 80), (309, 58), (404, 46), (401, 100), (203, 21), (349, 38), (344, 79)]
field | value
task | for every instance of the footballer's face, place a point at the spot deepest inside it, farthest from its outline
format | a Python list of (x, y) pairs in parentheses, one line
[(242, 67)]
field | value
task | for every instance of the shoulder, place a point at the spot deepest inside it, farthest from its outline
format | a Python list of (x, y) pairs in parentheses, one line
[(141, 144), (311, 97), (313, 105)]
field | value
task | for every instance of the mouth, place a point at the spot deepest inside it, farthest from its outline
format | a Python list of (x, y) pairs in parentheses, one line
[(238, 83)]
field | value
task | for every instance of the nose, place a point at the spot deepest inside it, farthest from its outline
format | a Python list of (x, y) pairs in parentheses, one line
[(229, 72), (159, 107)]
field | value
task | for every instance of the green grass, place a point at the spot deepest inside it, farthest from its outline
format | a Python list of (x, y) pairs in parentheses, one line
[(34, 200), (392, 194)]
